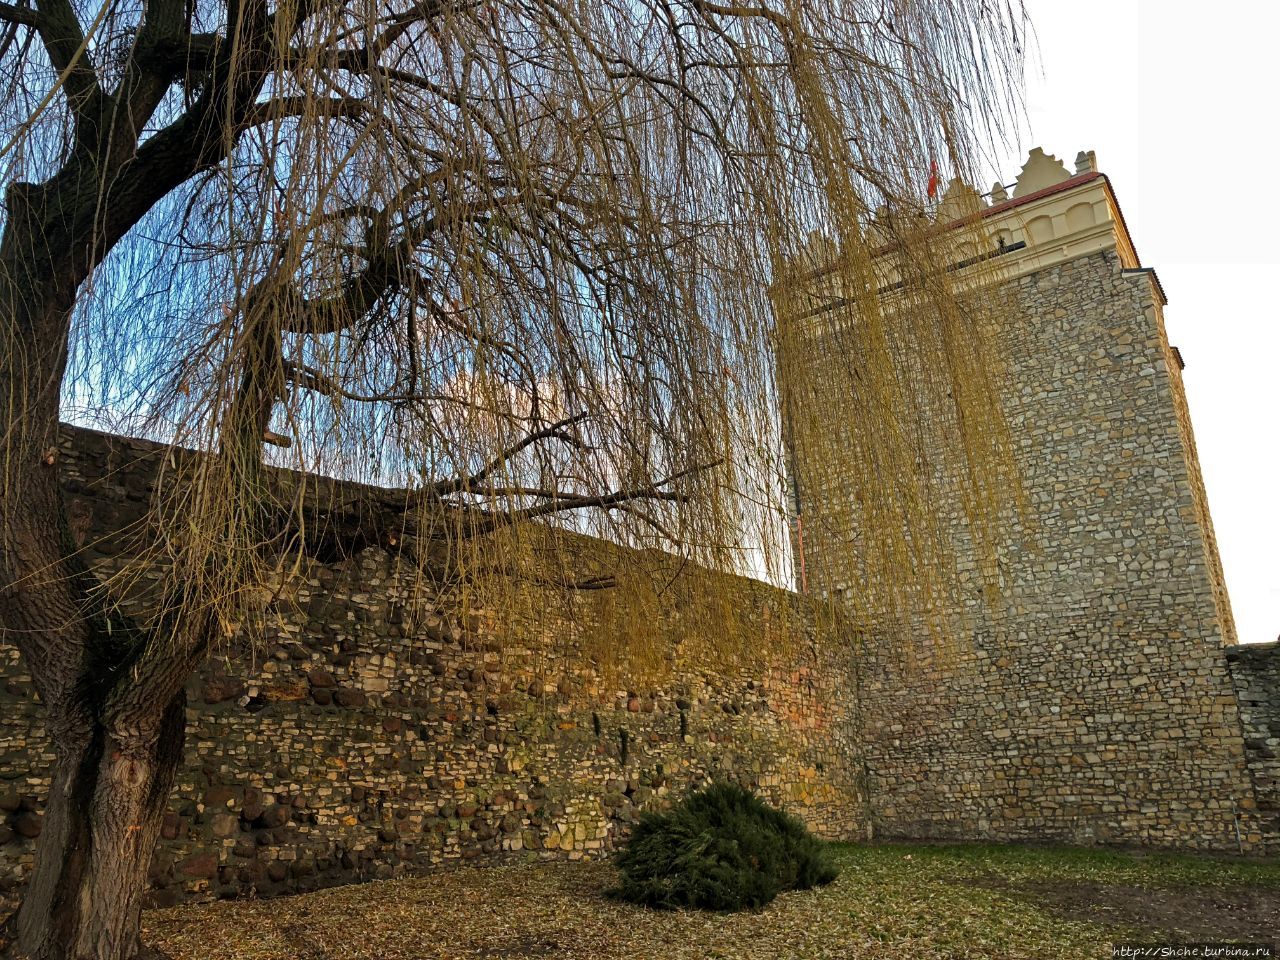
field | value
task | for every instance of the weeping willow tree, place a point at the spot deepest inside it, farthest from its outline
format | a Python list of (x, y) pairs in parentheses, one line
[(509, 260), (900, 462)]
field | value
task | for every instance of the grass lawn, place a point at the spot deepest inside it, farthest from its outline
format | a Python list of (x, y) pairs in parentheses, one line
[(918, 902)]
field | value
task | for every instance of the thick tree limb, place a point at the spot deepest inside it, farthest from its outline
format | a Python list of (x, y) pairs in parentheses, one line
[(176, 56), (143, 88), (281, 108), (68, 49), (23, 15), (104, 197)]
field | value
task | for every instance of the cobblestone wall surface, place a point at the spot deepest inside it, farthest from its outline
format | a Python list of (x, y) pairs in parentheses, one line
[(1255, 669), (365, 739), (1092, 702)]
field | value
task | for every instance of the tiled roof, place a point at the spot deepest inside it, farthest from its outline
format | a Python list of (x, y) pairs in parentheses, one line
[(1062, 187)]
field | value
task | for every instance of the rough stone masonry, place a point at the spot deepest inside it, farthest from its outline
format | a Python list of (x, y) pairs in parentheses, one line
[(1093, 701), (364, 736)]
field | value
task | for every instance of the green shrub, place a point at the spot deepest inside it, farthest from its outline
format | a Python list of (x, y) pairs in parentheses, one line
[(722, 848)]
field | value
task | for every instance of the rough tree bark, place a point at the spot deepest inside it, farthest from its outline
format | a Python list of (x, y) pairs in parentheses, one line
[(116, 753), (109, 790), (114, 693)]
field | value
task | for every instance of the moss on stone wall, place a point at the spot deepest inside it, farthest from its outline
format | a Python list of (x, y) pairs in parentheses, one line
[(373, 729)]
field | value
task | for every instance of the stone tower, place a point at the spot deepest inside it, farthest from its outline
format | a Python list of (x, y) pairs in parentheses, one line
[(1093, 703)]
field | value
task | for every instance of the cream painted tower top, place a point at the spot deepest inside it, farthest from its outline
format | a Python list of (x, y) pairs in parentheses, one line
[(1052, 215)]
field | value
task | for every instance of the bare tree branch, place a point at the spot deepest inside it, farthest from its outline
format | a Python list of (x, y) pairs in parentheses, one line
[(67, 46), (561, 502), (474, 483), (280, 108), (311, 379), (19, 14)]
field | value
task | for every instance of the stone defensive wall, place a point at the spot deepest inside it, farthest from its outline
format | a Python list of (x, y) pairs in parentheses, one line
[(1255, 669), (1091, 701), (366, 737), (1089, 689)]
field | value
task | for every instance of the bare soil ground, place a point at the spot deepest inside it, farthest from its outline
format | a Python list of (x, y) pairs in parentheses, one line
[(1247, 913)]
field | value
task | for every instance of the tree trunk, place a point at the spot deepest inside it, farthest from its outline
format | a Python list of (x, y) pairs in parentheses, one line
[(106, 804), (113, 691)]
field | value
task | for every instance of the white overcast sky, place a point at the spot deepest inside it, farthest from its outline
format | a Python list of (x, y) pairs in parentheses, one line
[(1179, 101)]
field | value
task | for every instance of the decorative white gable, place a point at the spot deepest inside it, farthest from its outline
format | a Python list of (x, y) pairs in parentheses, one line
[(960, 200), (1041, 170)]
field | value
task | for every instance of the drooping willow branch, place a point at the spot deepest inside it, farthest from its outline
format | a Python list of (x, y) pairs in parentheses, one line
[(442, 228)]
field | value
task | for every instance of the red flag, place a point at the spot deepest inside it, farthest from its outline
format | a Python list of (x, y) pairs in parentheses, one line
[(933, 179)]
